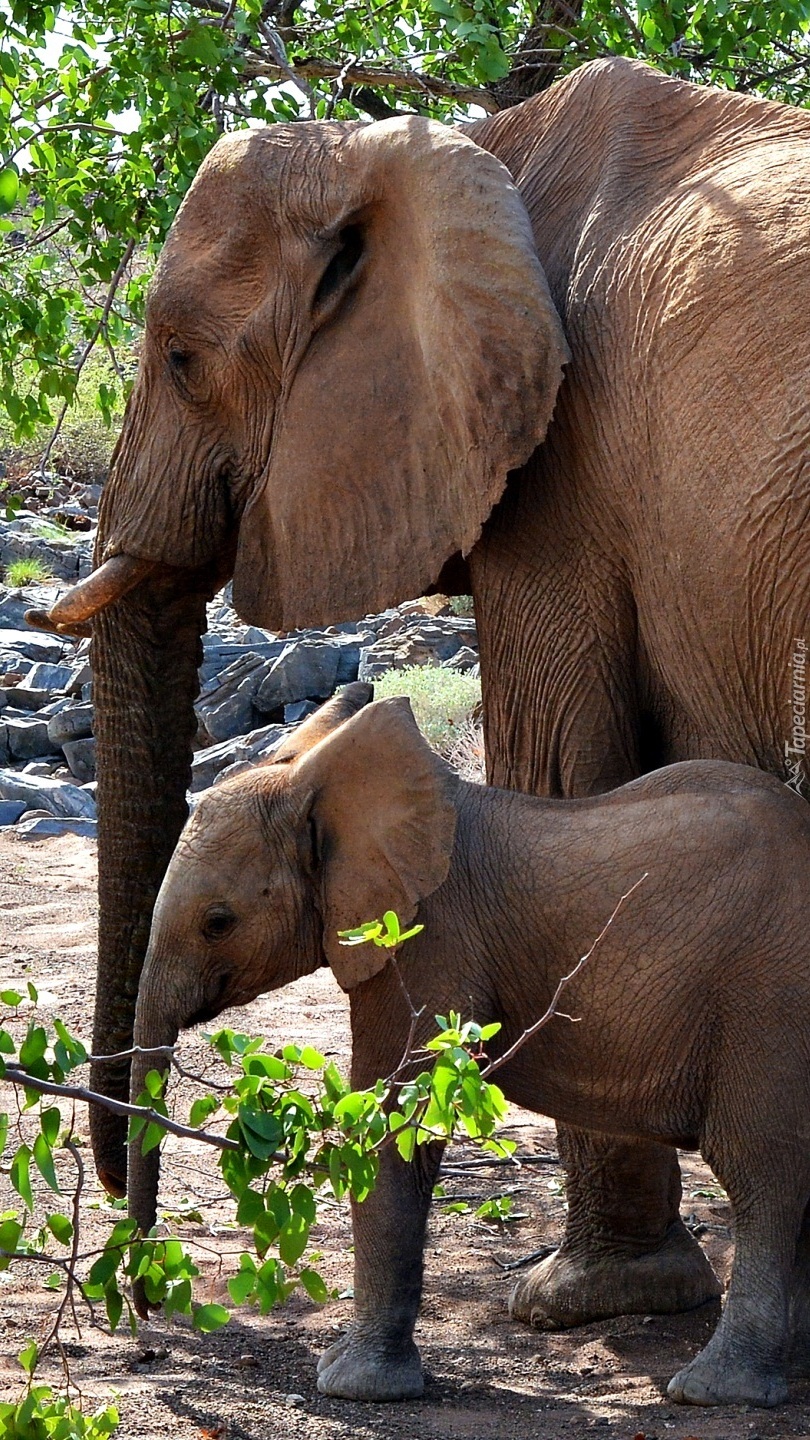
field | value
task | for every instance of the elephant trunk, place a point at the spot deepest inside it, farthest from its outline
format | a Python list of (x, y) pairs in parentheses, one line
[(146, 654)]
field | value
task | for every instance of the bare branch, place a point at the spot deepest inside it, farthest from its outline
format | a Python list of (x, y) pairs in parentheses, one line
[(564, 981), (17, 1076), (313, 68)]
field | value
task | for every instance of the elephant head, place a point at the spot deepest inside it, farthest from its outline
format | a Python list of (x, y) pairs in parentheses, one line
[(349, 343), (356, 817)]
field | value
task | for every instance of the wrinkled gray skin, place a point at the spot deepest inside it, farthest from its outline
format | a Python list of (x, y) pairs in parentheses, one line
[(354, 344), (693, 1013)]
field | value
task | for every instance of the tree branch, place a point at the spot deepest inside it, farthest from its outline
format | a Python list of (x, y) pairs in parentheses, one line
[(564, 981), (355, 73), (17, 1076)]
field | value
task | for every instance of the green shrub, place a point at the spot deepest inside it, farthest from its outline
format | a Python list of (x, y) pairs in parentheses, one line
[(443, 701), (27, 572), (85, 441)]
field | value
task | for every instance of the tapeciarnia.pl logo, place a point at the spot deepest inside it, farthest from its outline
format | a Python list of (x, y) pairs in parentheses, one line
[(796, 745)]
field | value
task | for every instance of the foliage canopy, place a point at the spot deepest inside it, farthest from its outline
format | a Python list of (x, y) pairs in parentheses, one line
[(107, 107)]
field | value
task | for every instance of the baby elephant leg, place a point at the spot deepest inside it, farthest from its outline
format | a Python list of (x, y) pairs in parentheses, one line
[(377, 1358), (745, 1361)]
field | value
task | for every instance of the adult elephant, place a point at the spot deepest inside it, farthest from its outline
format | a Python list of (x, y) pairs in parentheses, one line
[(351, 357)]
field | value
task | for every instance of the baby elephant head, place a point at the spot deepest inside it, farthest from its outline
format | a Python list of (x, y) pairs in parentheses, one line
[(355, 815)]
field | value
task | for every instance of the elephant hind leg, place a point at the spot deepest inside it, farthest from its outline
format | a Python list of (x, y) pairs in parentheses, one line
[(799, 1313), (626, 1250)]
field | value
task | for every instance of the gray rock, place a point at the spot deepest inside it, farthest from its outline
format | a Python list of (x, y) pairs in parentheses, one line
[(81, 758), (31, 645), (305, 670), (44, 676), (10, 811), (27, 738), (464, 659), (43, 827), (40, 793), (208, 764), (218, 654), (294, 714), (73, 723), (24, 698), (423, 640), (41, 767), (12, 665), (227, 708), (80, 676)]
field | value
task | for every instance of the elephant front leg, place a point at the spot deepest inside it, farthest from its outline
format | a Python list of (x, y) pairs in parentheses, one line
[(377, 1358), (626, 1250)]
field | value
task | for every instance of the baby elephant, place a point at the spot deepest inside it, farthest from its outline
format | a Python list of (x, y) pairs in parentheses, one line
[(693, 1013)]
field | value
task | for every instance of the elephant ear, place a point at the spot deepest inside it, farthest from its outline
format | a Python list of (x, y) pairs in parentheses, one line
[(380, 804), (435, 375), (326, 719)]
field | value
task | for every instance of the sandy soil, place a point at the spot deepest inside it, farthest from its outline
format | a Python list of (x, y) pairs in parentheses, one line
[(487, 1376)]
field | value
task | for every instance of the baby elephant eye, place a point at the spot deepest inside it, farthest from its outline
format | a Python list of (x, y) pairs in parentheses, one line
[(218, 922)]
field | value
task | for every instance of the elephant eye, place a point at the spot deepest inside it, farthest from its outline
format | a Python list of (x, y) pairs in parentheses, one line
[(341, 268), (218, 922)]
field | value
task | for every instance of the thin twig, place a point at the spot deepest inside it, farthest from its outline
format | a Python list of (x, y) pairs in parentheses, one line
[(565, 980), (18, 1076), (85, 355)]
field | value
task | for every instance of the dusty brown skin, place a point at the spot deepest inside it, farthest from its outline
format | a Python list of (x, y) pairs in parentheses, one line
[(349, 345), (693, 1017)]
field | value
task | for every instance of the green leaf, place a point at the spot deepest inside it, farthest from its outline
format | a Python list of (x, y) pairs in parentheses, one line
[(202, 1109), (293, 1238), (60, 1227), (49, 1122), (11, 997), (9, 190), (103, 1269), (28, 1357), (20, 1175), (314, 1285), (312, 1059), (114, 1305), (208, 1318)]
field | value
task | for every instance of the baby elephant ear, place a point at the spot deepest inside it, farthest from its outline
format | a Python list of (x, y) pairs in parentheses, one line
[(383, 816), (326, 719)]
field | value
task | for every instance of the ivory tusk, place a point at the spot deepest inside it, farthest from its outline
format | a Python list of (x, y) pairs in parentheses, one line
[(106, 585), (41, 620)]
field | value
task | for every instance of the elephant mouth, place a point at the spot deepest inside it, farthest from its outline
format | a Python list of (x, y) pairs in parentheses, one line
[(73, 612)]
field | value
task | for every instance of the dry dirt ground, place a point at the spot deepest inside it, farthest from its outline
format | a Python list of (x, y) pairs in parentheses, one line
[(487, 1377)]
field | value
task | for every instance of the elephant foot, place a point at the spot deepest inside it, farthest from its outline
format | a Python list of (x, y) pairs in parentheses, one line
[(361, 1366), (575, 1286), (717, 1376)]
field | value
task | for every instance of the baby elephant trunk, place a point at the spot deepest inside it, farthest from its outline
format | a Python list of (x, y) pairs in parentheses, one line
[(153, 1028)]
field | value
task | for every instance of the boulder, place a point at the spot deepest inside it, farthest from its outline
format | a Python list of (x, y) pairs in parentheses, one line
[(81, 758), (464, 659), (219, 654), (208, 764), (426, 640), (226, 709), (75, 722), (27, 738), (30, 645), (42, 827), (10, 811), (305, 670), (45, 676), (40, 793)]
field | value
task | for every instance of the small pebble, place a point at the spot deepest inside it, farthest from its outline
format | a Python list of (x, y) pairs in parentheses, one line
[(291, 1401)]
